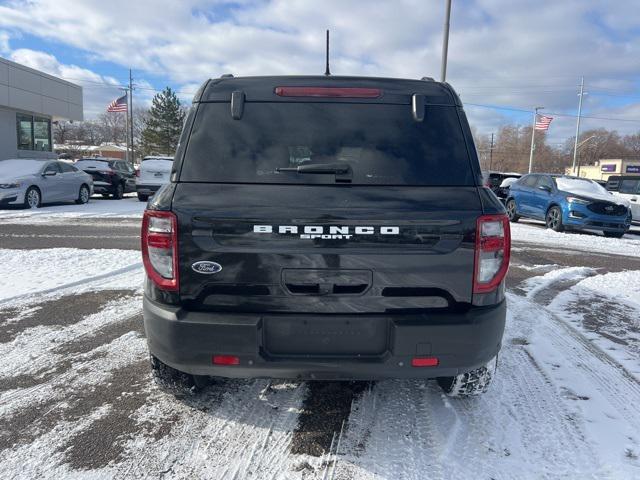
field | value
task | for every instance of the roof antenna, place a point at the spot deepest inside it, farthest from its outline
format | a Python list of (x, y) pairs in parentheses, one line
[(327, 72)]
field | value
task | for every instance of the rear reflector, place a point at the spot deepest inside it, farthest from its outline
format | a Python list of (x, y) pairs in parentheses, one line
[(225, 360), (424, 362), (493, 248), (335, 92)]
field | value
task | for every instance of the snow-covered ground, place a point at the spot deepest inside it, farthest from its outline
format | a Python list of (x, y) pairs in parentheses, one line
[(529, 232), (128, 207), (77, 399)]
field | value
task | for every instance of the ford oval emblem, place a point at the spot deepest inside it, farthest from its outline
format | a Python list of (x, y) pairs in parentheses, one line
[(207, 268)]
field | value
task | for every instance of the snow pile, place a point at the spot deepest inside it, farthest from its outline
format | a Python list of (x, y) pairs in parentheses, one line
[(559, 276), (628, 246), (39, 271), (622, 286)]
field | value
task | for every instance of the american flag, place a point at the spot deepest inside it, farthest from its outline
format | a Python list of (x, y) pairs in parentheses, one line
[(118, 105), (542, 122)]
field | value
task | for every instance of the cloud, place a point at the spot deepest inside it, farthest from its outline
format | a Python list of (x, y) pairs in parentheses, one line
[(505, 52), (4, 42)]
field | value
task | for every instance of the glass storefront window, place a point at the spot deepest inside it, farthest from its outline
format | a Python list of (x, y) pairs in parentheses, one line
[(34, 133), (42, 134), (25, 132)]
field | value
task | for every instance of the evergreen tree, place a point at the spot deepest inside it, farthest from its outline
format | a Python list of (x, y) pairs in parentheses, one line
[(163, 126)]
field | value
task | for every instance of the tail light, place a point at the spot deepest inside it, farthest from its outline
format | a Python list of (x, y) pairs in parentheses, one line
[(493, 248), (160, 248)]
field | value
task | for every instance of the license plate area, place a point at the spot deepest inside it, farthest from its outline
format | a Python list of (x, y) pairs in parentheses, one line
[(325, 337)]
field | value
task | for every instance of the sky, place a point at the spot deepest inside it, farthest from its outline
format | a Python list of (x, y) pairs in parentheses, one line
[(511, 54)]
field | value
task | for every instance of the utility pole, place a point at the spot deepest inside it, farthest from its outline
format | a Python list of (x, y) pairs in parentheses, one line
[(575, 145), (533, 136), (133, 155), (445, 41), (491, 153)]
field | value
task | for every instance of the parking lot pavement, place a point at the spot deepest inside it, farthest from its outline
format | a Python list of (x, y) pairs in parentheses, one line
[(77, 398), (120, 233)]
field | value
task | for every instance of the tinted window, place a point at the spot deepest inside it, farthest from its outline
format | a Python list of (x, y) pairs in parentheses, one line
[(630, 186), (93, 164), (66, 168), (52, 167), (545, 181), (382, 144), (529, 180)]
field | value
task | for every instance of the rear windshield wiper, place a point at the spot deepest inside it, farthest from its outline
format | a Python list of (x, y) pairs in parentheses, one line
[(342, 171)]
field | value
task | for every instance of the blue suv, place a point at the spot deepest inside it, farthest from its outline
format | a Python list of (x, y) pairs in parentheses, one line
[(565, 202)]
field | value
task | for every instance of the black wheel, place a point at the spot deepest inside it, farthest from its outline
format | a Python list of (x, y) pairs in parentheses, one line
[(83, 195), (119, 192), (469, 384), (142, 197), (614, 234), (174, 381), (511, 211), (553, 219), (32, 198)]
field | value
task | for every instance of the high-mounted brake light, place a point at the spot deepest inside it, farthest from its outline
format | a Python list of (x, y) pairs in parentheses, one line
[(160, 248), (336, 92), (493, 249)]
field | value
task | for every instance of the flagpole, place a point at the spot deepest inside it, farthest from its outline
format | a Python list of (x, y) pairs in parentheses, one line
[(126, 128), (130, 107), (533, 136)]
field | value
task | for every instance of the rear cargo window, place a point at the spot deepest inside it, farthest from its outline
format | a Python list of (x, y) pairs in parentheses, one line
[(382, 144)]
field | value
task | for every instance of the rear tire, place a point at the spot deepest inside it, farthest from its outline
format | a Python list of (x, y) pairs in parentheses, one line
[(142, 197), (119, 192), (553, 219), (511, 211), (32, 198), (614, 234), (83, 195), (174, 381), (470, 384)]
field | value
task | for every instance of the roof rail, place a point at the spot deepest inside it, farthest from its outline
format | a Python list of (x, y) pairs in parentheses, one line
[(427, 79), (226, 75)]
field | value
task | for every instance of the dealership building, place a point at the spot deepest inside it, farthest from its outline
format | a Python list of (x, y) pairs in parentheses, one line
[(30, 101), (604, 168)]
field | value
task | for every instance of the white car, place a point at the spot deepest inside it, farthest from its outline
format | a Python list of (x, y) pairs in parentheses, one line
[(153, 173), (628, 188)]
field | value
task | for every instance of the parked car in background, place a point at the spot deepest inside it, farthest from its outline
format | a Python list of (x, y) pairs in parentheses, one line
[(628, 188), (493, 179), (33, 182), (565, 202), (152, 174), (502, 192), (111, 176)]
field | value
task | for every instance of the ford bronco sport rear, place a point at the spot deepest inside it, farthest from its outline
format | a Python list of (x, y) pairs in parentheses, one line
[(326, 228)]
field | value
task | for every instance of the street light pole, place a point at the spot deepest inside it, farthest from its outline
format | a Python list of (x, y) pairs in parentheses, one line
[(575, 145), (533, 136), (445, 42), (491, 153), (576, 149)]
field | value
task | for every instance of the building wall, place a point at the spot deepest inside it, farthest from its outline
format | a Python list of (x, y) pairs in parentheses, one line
[(23, 88), (34, 93), (604, 168)]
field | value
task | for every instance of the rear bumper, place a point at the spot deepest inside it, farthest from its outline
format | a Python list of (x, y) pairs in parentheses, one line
[(187, 341), (103, 187), (147, 189)]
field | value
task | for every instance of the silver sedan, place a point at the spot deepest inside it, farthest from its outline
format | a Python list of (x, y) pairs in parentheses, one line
[(31, 183)]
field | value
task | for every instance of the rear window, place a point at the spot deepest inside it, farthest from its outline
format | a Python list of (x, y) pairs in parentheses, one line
[(94, 164), (631, 186), (382, 144)]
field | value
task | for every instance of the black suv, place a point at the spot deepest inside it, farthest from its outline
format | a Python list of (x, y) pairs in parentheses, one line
[(330, 228), (111, 176)]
